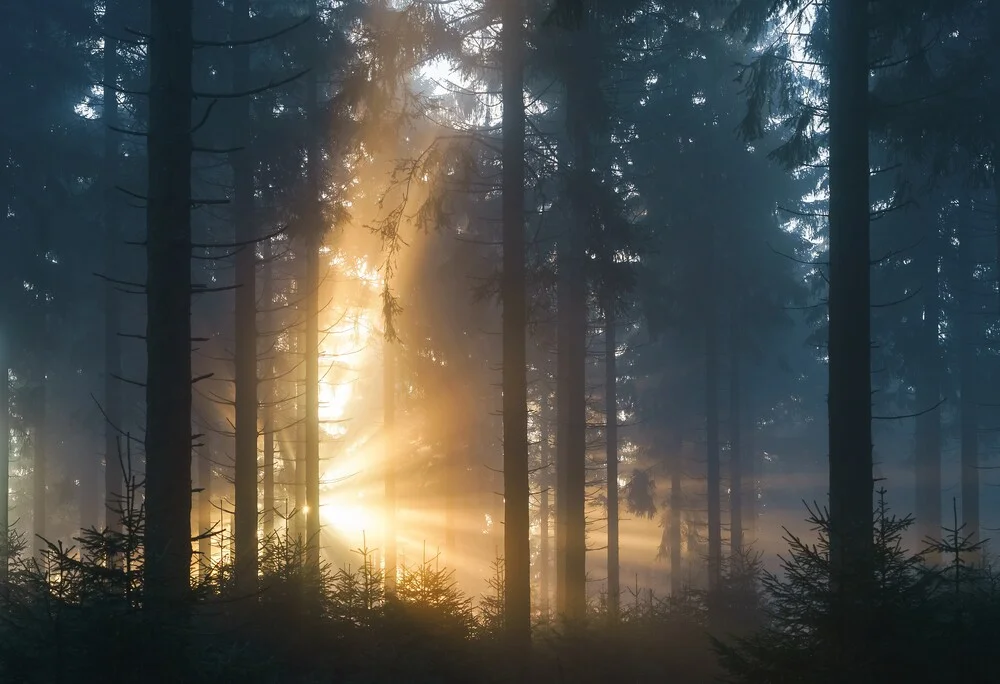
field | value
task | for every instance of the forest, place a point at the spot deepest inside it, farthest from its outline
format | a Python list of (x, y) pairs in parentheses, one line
[(445, 341)]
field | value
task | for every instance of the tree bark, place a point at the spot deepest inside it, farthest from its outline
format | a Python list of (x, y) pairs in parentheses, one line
[(676, 502), (389, 431), (571, 353), (735, 433), (849, 404), (314, 240), (752, 471), (4, 451), (968, 339), (267, 384), (39, 474), (928, 427), (246, 473), (544, 508), (205, 511), (611, 426), (714, 480), (299, 434), (517, 551), (168, 327), (114, 479)]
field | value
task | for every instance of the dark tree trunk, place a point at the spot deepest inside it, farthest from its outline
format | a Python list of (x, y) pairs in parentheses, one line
[(40, 426), (714, 480), (968, 359), (611, 426), (389, 430), (451, 495), (4, 451), (571, 431), (544, 508), (39, 475), (571, 353), (205, 510), (267, 418), (168, 327), (735, 432), (114, 478), (676, 502), (752, 471), (314, 239), (851, 549), (517, 551), (245, 532), (299, 441), (928, 427)]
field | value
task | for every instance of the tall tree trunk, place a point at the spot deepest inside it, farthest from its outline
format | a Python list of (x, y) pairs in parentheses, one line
[(544, 508), (299, 442), (752, 471), (517, 551), (168, 298), (40, 432), (4, 450), (571, 353), (735, 432), (245, 532), (968, 360), (849, 403), (267, 418), (676, 502), (451, 495), (314, 238), (714, 480), (114, 479), (928, 427), (205, 510), (389, 431), (611, 427), (571, 430), (39, 475)]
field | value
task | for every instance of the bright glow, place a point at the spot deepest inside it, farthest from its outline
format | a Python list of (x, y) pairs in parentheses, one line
[(349, 519)]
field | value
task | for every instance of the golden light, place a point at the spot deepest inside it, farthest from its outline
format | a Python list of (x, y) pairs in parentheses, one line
[(350, 364), (351, 520)]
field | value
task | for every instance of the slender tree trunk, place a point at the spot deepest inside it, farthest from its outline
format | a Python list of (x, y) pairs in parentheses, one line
[(928, 427), (389, 430), (314, 240), (571, 432), (267, 410), (752, 471), (40, 468), (544, 508), (611, 423), (517, 551), (246, 475), (712, 416), (301, 413), (849, 403), (168, 327), (114, 479), (454, 449), (735, 433), (41, 427), (676, 502), (571, 403), (4, 451), (968, 360), (205, 510)]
